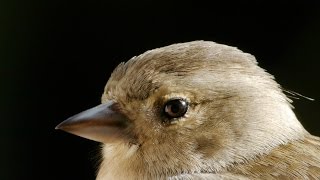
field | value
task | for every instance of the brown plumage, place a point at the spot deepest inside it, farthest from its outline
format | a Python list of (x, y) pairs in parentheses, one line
[(197, 110)]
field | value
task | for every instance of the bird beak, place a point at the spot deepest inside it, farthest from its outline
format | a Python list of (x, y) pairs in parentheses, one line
[(103, 123)]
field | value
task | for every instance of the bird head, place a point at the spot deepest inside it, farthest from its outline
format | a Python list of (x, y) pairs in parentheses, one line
[(189, 107)]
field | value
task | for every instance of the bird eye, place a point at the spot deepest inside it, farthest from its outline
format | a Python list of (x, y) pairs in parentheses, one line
[(176, 108)]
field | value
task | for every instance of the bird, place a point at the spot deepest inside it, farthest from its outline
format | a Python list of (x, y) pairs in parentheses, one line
[(197, 110)]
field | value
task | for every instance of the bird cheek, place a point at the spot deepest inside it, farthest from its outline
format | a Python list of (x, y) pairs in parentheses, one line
[(207, 146)]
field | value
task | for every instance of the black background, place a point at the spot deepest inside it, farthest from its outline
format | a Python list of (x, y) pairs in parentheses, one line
[(56, 57)]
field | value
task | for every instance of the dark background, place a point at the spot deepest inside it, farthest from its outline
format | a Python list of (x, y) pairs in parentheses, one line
[(56, 56)]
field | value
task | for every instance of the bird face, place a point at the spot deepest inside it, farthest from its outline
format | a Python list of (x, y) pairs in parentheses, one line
[(186, 108)]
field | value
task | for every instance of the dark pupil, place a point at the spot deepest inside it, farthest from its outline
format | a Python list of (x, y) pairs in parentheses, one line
[(176, 107)]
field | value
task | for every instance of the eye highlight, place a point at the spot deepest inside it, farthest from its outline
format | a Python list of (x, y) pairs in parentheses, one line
[(176, 108)]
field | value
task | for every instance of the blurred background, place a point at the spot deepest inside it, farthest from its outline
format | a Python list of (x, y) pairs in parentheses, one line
[(56, 56)]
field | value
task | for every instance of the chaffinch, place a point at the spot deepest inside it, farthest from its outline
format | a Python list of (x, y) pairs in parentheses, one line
[(197, 110)]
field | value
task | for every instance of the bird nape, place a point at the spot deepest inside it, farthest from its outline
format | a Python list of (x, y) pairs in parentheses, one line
[(197, 110)]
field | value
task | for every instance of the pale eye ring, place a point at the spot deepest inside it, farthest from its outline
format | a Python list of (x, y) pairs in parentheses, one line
[(176, 108)]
